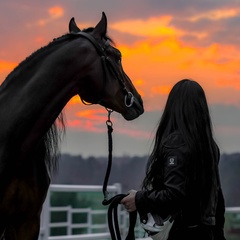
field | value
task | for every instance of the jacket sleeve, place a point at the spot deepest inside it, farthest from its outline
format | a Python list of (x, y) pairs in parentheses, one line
[(173, 191)]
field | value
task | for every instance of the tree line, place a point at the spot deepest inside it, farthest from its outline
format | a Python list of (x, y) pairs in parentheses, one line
[(129, 171)]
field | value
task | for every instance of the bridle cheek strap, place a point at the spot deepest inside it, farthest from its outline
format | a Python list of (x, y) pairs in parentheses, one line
[(108, 66), (109, 70)]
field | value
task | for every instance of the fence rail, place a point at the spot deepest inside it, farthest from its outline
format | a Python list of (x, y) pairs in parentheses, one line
[(68, 224), (94, 236)]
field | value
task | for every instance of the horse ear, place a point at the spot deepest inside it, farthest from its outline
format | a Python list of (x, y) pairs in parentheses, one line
[(101, 28), (73, 28)]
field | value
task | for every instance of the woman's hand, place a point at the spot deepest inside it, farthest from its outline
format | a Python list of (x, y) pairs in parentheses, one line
[(129, 201)]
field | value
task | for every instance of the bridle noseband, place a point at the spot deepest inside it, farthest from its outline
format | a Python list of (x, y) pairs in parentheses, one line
[(109, 66)]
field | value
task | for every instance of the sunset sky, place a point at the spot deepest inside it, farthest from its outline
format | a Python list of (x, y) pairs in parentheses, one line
[(162, 42)]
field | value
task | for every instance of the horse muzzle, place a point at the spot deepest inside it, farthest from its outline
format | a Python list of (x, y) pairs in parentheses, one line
[(134, 107)]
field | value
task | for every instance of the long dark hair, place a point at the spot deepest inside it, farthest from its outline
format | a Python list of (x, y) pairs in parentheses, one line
[(187, 112)]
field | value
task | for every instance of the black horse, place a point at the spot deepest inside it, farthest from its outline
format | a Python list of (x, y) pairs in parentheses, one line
[(32, 97)]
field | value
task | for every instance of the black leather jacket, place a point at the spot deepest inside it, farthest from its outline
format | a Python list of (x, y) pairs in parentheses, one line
[(175, 191)]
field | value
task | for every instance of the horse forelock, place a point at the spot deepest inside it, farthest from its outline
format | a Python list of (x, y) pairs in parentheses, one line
[(106, 37)]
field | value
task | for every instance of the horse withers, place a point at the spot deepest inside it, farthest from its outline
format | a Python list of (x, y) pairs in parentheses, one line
[(32, 97)]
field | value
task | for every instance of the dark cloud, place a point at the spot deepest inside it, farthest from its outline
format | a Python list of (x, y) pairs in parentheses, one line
[(229, 32), (144, 9), (15, 16), (91, 9), (124, 37), (223, 31)]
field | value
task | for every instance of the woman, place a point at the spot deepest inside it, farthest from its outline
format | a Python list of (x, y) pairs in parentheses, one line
[(182, 176)]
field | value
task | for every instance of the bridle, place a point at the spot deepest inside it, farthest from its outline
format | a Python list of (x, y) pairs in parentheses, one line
[(108, 66)]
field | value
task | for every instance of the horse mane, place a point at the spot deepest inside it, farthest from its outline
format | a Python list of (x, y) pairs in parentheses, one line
[(51, 141), (50, 47), (39, 54)]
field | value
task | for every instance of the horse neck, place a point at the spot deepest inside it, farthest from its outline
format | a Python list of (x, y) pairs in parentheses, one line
[(36, 93)]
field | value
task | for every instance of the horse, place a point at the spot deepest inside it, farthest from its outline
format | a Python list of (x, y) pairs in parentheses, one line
[(32, 97)]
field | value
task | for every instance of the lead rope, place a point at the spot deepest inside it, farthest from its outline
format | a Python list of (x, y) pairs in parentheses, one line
[(109, 166), (115, 201)]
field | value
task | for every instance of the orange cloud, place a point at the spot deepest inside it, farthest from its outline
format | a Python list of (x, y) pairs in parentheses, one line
[(164, 90), (92, 120), (84, 125), (92, 114), (54, 13), (162, 63), (152, 27), (87, 120), (7, 66), (225, 82)]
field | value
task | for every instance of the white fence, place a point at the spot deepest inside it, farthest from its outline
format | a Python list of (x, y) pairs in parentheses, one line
[(92, 228)]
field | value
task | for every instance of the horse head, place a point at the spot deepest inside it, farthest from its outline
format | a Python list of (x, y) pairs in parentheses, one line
[(106, 82)]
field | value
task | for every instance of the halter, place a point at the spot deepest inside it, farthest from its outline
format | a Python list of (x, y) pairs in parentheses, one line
[(109, 66)]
